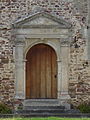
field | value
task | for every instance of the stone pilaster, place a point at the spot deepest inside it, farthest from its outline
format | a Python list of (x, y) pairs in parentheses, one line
[(64, 95), (20, 72)]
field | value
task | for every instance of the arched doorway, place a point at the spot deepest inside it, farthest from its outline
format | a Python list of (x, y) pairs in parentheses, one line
[(41, 72)]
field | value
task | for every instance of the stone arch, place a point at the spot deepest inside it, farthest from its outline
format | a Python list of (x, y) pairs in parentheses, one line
[(51, 44)]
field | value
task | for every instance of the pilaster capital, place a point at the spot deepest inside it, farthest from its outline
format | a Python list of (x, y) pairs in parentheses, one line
[(65, 42), (19, 40), (20, 43)]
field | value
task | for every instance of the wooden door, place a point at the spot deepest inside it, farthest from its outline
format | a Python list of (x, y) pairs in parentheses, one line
[(41, 70)]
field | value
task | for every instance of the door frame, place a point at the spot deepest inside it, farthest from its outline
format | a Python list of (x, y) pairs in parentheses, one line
[(62, 65), (58, 33)]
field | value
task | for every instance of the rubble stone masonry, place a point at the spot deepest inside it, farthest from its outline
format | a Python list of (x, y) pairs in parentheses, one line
[(73, 11)]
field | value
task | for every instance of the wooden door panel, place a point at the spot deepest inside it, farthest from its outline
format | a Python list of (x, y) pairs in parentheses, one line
[(54, 75), (43, 74), (48, 73), (33, 79), (40, 72)]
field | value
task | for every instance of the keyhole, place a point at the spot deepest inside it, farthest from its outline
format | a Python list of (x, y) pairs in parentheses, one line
[(55, 76)]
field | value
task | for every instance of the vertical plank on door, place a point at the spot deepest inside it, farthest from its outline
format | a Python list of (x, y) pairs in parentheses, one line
[(33, 74), (48, 72), (38, 72), (43, 77), (28, 74), (54, 75)]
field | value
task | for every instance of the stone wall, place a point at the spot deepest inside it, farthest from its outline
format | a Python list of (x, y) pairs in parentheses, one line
[(73, 11)]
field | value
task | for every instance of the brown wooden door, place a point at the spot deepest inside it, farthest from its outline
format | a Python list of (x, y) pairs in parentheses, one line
[(41, 70)]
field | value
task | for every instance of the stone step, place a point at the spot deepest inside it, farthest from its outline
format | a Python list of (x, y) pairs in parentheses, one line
[(43, 107), (41, 111), (41, 102), (72, 115)]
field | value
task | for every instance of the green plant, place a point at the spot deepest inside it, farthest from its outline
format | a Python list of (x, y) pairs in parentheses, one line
[(4, 109), (84, 108)]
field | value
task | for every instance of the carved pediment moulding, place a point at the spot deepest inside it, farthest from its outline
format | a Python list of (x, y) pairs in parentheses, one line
[(41, 25), (41, 20)]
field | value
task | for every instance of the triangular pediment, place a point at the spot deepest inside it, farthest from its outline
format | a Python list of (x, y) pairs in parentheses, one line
[(41, 20)]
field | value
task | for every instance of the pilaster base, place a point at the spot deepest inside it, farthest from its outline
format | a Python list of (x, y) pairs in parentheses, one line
[(63, 98), (20, 96)]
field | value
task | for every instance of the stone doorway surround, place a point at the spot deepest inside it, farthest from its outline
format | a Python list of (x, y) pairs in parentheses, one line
[(47, 29)]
